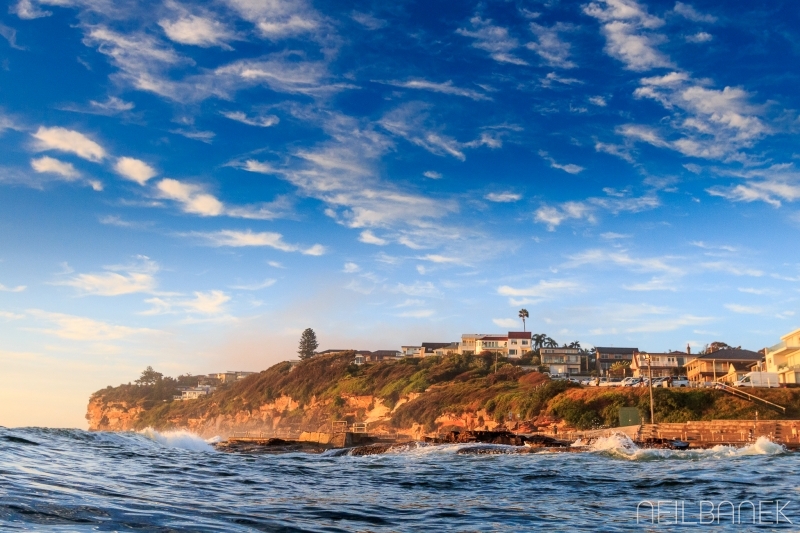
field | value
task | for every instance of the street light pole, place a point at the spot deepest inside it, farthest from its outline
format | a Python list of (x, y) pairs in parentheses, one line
[(650, 371)]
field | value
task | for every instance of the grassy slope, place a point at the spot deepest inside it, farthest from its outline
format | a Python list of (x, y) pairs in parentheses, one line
[(454, 384)]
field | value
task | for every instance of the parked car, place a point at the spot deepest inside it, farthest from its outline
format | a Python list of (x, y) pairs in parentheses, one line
[(612, 382), (680, 381)]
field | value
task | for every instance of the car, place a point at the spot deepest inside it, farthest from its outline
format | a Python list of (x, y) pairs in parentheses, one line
[(630, 382), (612, 382), (680, 381)]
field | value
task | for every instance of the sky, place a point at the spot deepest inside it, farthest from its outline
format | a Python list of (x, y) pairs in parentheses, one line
[(190, 185)]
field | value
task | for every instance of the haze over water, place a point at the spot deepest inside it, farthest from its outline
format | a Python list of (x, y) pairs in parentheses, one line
[(76, 481)]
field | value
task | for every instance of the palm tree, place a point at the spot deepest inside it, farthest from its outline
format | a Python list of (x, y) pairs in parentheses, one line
[(550, 343), (538, 340), (523, 314), (575, 344)]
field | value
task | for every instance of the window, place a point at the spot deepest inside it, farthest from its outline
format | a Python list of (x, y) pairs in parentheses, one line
[(513, 342), (512, 352), (524, 342)]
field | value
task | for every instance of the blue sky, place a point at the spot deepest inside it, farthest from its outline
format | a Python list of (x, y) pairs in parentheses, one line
[(190, 185)]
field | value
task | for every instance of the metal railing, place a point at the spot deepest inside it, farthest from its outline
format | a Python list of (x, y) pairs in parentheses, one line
[(750, 397)]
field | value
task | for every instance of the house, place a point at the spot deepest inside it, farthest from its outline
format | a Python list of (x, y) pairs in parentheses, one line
[(519, 343), (360, 359), (446, 350), (195, 393), (715, 365), (230, 376), (661, 364), (736, 371), (380, 355), (430, 348), (606, 357), (561, 361), (784, 358), (512, 344)]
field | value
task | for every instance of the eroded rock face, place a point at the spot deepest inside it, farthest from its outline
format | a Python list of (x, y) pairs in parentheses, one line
[(281, 417), (111, 416)]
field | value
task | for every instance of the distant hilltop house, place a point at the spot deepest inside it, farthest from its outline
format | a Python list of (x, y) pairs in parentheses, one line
[(606, 357), (194, 393), (727, 365), (563, 361), (662, 364), (784, 358), (232, 375), (513, 344)]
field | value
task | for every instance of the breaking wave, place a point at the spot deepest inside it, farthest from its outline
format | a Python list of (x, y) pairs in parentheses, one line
[(181, 439), (621, 446)]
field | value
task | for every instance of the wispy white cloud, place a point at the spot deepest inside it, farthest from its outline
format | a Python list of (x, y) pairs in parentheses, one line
[(744, 309), (506, 322), (626, 27), (368, 237), (54, 166), (239, 239), (350, 268), (269, 282), (368, 21), (699, 37), (503, 197), (204, 303), (418, 313), (137, 277), (260, 121), (736, 270), (598, 101), (553, 216), (689, 12), (554, 51), (622, 258), (134, 170), (28, 9), (18, 288), (432, 174), (493, 39), (70, 141), (446, 87), (569, 168), (195, 30), (192, 198), (544, 290), (78, 328)]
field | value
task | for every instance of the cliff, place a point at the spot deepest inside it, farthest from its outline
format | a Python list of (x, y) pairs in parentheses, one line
[(411, 396)]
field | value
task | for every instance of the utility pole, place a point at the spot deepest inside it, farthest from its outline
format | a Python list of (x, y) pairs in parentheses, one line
[(650, 371)]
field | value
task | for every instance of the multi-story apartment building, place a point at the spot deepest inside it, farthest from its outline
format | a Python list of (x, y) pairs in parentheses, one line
[(784, 358), (606, 357), (561, 361), (716, 366), (662, 364), (512, 344)]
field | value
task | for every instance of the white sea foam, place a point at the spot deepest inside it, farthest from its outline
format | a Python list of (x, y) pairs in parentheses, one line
[(181, 439), (622, 446)]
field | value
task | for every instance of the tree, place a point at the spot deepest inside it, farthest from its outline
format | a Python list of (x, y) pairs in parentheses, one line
[(575, 344), (149, 377), (308, 344), (620, 367), (550, 343), (538, 340), (523, 314)]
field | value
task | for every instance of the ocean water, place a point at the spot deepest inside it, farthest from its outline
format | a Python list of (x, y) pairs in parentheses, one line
[(76, 481)]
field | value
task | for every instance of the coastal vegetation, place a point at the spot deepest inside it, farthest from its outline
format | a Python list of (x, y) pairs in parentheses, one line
[(431, 392)]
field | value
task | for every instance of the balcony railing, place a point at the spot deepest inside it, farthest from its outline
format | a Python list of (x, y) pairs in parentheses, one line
[(780, 346)]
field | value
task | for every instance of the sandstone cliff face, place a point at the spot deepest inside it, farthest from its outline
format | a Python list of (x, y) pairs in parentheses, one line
[(111, 416), (284, 414)]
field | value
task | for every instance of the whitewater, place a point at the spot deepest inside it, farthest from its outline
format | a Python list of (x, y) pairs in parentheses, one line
[(78, 481)]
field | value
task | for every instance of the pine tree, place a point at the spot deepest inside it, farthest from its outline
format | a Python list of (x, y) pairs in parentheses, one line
[(308, 344)]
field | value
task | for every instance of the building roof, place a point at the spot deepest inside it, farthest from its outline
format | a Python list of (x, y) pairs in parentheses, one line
[(730, 354), (385, 353), (494, 338), (430, 346), (519, 334), (610, 350)]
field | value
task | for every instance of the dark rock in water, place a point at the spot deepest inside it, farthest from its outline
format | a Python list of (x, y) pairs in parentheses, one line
[(373, 449), (497, 437), (267, 446)]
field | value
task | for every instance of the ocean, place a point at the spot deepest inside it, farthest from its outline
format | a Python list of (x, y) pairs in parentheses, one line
[(75, 481)]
